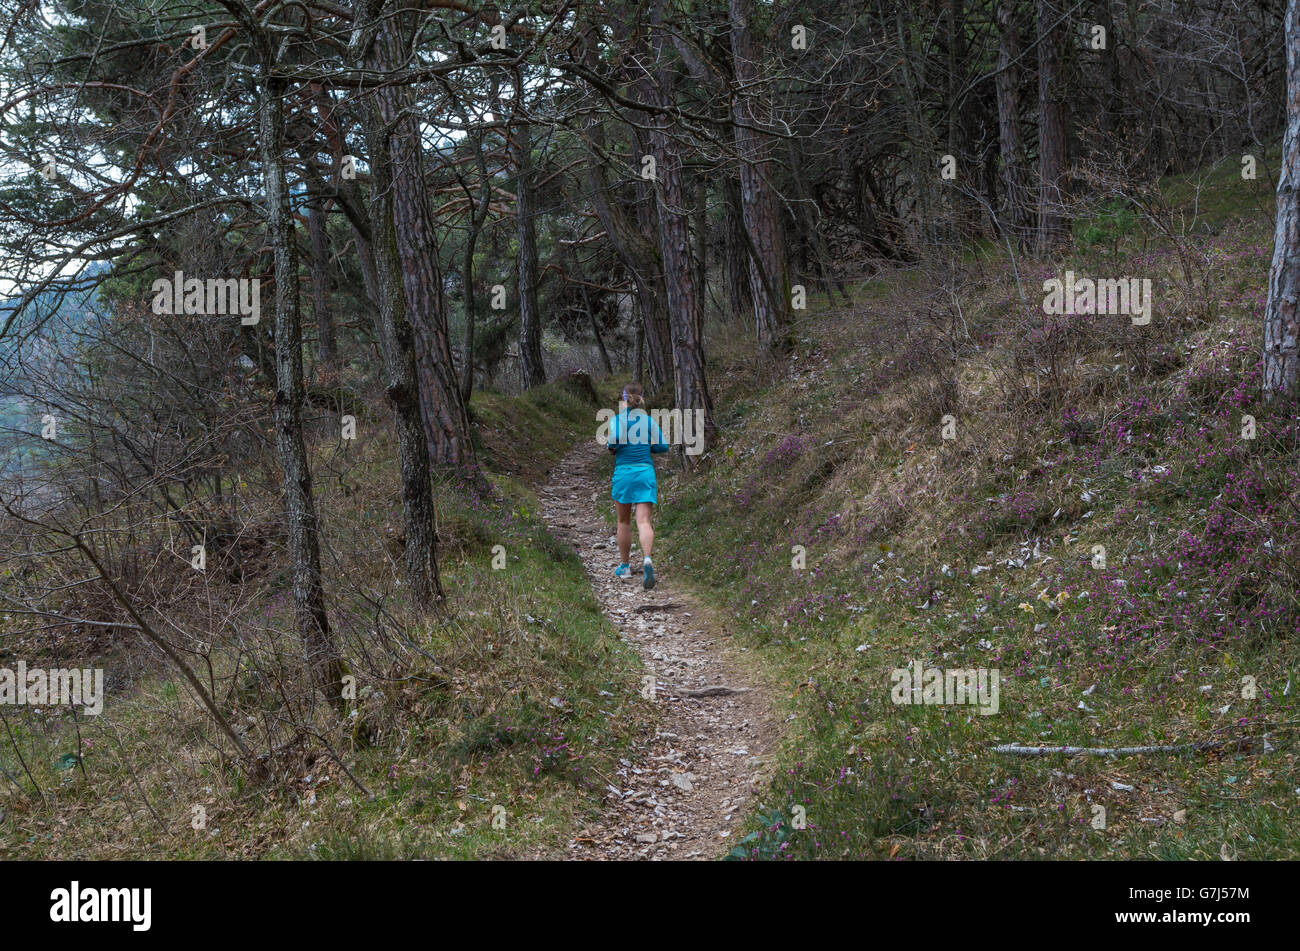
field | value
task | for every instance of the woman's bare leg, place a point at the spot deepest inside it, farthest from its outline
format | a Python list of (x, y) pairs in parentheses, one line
[(623, 512), (644, 529)]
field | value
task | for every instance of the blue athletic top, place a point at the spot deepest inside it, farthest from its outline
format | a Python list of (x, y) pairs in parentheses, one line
[(633, 436)]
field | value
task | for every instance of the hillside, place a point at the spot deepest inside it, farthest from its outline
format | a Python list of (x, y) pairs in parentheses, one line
[(518, 696), (1103, 528), (1096, 529)]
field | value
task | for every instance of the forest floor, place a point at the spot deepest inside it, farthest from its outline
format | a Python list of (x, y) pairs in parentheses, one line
[(693, 780)]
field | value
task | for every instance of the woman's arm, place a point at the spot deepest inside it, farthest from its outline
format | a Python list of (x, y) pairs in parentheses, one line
[(658, 444)]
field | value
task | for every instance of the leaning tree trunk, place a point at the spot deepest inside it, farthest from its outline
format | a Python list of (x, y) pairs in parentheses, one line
[(446, 421), (1053, 129), (768, 272), (1016, 214), (310, 618), (1281, 317), (532, 370), (590, 308), (402, 386)]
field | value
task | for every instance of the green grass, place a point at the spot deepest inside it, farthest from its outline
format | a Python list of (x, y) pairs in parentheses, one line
[(523, 698), (893, 520), (492, 741)]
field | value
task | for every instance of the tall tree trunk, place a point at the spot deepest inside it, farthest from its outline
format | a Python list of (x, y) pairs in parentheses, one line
[(402, 386), (690, 383), (471, 318), (638, 255), (310, 618), (1053, 129), (1110, 116), (806, 214), (638, 363), (1016, 205), (446, 421), (961, 202), (358, 221), (953, 80), (769, 278), (595, 330), (366, 258), (469, 276), (653, 301), (322, 310), (531, 368), (1281, 315), (701, 246), (345, 191), (737, 248), (633, 242)]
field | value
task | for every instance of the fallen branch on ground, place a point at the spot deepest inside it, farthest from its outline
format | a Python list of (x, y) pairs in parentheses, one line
[(1015, 749), (718, 691), (647, 608)]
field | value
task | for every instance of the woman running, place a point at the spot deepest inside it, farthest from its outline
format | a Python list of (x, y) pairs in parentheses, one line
[(633, 436)]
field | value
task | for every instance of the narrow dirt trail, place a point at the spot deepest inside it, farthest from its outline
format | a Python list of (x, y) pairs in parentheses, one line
[(694, 778)]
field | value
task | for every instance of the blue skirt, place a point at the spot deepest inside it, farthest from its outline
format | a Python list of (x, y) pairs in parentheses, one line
[(634, 484)]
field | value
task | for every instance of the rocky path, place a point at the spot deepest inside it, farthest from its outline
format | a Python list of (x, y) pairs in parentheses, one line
[(694, 778)]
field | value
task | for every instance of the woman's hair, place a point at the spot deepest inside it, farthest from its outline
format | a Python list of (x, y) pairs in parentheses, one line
[(633, 396)]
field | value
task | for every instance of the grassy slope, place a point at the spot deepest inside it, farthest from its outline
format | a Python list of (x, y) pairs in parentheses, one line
[(840, 454), (541, 700), (1071, 433)]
